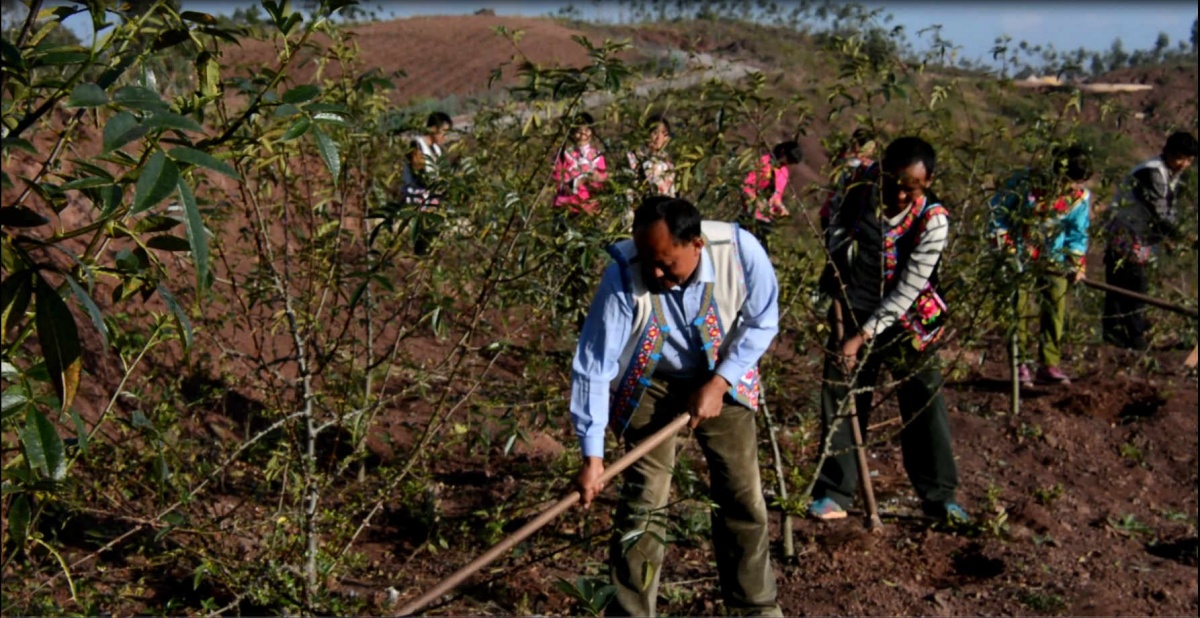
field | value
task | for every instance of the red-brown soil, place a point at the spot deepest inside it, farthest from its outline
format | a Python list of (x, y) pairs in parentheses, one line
[(1091, 489), (439, 55)]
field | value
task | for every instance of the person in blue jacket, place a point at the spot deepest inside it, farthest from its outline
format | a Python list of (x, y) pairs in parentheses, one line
[(1045, 220)]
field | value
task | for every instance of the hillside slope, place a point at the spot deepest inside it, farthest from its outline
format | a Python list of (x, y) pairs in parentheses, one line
[(441, 56)]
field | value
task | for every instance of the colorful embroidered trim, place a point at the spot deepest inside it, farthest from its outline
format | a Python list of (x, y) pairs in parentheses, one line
[(637, 375), (649, 351), (924, 318)]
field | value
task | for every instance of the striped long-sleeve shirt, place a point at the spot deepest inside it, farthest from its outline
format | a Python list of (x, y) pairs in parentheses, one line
[(917, 269), (885, 262)]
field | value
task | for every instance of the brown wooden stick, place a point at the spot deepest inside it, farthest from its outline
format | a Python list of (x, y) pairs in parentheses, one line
[(544, 518), (1149, 300), (874, 523)]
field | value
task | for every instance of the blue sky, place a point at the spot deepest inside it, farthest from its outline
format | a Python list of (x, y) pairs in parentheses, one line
[(972, 25)]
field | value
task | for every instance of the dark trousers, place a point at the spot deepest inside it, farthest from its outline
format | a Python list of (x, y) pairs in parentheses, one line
[(739, 519), (925, 438), (1124, 318)]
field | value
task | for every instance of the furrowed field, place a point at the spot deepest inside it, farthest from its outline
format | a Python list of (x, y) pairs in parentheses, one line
[(230, 387)]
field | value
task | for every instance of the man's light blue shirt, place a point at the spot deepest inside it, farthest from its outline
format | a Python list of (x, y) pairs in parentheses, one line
[(610, 320)]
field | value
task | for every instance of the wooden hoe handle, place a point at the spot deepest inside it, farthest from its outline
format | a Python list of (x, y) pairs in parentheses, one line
[(1149, 300), (448, 584)]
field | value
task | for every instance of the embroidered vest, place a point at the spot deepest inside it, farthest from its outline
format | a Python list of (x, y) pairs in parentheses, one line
[(720, 309), (925, 318), (416, 189)]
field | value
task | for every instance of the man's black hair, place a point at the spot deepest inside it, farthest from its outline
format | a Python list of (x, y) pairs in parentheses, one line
[(437, 119), (656, 120), (1072, 162), (1180, 144), (788, 153), (907, 151), (683, 220)]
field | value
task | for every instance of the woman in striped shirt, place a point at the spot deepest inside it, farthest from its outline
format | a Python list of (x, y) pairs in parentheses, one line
[(886, 241)]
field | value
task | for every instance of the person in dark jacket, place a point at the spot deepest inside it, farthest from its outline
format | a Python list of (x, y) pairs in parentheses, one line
[(1144, 216)]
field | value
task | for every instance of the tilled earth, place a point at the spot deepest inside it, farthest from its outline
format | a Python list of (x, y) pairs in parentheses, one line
[(1084, 503)]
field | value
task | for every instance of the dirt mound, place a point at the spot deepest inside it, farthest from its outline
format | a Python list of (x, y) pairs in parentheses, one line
[(441, 56), (1170, 105)]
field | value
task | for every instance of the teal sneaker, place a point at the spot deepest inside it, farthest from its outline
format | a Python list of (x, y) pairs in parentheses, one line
[(825, 509), (948, 511)]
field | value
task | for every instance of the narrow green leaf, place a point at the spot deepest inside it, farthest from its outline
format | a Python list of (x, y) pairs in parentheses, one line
[(166, 242), (20, 216), (171, 120), (38, 372), (87, 95), (89, 305), (286, 110), (208, 74), (19, 143), (171, 38), (60, 58), (15, 293), (156, 223), (83, 165), (12, 401), (181, 319), (385, 283), (158, 180), (12, 56), (329, 118), (19, 515), (139, 98), (110, 198), (197, 17), (290, 23), (202, 159), (43, 446), (81, 431), (298, 128), (220, 33), (328, 150), (59, 339), (90, 182), (300, 94), (120, 130), (195, 233)]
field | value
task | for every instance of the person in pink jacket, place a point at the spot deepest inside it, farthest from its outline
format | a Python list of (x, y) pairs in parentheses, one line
[(762, 191), (580, 170), (580, 173)]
